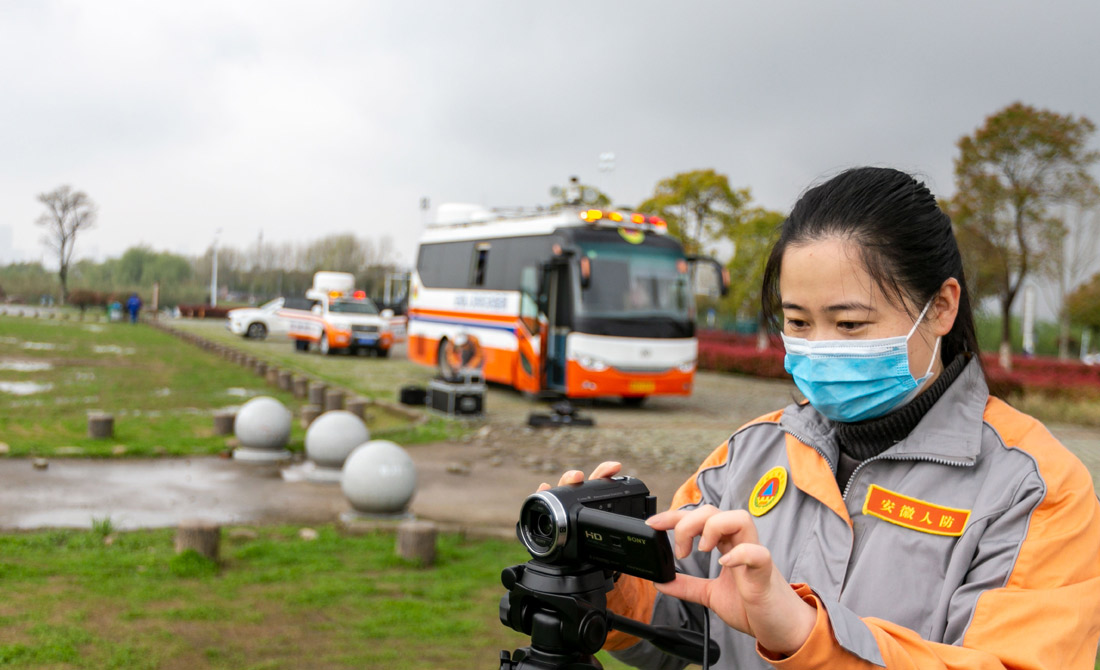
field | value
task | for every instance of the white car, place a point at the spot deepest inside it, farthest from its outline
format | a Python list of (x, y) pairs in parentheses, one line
[(257, 322)]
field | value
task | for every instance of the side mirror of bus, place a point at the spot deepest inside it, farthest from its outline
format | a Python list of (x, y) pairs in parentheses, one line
[(586, 271), (720, 278)]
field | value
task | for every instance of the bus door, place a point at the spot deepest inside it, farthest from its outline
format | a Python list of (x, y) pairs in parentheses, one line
[(555, 276), (530, 334)]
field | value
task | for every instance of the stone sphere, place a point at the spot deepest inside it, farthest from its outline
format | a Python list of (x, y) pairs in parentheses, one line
[(332, 436), (379, 478), (263, 423)]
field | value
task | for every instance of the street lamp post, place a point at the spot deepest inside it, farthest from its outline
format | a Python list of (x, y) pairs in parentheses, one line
[(214, 272)]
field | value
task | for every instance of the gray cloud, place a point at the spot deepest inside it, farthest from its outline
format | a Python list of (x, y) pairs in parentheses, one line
[(182, 118)]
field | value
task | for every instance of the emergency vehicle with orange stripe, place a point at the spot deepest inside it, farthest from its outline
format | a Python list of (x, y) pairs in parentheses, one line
[(336, 318), (576, 303)]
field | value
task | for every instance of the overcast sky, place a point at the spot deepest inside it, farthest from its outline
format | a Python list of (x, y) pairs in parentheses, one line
[(304, 119)]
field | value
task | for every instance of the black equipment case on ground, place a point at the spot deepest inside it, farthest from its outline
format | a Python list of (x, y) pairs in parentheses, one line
[(464, 397)]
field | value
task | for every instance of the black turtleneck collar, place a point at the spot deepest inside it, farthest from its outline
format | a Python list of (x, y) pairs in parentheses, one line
[(867, 439)]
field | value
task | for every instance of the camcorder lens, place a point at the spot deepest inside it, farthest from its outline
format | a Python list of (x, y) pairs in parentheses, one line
[(544, 525), (538, 530)]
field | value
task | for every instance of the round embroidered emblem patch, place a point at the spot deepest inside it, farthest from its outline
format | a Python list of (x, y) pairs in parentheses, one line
[(768, 491)]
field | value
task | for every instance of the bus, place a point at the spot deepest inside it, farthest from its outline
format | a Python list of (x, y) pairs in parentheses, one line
[(576, 303)]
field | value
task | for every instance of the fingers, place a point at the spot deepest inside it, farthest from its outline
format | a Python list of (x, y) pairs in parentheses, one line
[(758, 576), (666, 520), (726, 530), (689, 525), (686, 587), (715, 529), (602, 471), (606, 469), (571, 477)]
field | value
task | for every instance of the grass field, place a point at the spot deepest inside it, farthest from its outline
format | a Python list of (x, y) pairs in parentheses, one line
[(162, 392), (96, 599)]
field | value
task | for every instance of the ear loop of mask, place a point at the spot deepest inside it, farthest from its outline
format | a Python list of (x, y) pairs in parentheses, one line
[(935, 349)]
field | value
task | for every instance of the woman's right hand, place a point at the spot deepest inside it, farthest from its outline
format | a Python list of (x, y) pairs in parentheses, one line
[(604, 470)]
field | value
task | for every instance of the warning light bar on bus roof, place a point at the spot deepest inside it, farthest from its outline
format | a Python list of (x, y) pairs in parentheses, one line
[(654, 223)]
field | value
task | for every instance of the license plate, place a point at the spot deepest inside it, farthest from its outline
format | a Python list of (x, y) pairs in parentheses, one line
[(366, 340), (642, 387)]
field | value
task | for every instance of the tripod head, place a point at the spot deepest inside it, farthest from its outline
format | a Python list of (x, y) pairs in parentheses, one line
[(564, 610)]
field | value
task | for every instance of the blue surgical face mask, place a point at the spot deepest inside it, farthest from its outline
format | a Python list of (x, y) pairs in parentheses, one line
[(855, 380)]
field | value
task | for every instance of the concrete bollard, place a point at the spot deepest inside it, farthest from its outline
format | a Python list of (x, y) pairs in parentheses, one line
[(200, 535), (284, 380), (358, 407), (223, 422), (334, 399), (317, 394), (416, 541), (101, 425), (259, 367), (309, 414), (300, 386), (273, 375)]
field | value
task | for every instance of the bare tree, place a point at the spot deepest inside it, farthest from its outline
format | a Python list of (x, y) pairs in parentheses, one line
[(67, 213)]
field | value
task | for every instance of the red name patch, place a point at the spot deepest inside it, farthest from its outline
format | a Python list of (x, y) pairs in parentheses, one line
[(913, 513)]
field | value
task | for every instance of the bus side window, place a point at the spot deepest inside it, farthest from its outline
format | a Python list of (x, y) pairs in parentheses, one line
[(528, 305), (481, 259)]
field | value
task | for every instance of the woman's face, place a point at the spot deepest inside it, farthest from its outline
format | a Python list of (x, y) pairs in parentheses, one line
[(827, 294)]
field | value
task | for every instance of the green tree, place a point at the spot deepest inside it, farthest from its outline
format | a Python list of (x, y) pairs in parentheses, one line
[(753, 237), (699, 206), (68, 212), (1083, 305), (1009, 174)]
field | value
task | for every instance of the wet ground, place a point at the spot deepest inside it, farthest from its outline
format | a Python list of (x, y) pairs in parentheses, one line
[(459, 486)]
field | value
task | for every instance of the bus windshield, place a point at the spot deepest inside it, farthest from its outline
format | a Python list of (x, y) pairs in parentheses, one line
[(352, 307), (632, 281)]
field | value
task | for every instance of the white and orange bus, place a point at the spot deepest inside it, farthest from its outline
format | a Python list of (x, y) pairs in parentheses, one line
[(580, 303)]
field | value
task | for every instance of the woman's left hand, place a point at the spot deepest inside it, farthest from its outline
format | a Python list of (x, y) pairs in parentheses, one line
[(749, 594)]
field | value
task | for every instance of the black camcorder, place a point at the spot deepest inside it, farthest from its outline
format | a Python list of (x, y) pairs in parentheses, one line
[(602, 522), (578, 536)]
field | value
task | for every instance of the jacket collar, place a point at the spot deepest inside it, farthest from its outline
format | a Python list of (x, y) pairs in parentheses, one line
[(950, 431)]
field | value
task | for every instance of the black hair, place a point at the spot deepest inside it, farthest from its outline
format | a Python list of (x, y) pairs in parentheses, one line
[(905, 239)]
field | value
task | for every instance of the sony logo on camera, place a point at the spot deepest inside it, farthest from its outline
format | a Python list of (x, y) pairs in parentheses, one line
[(599, 522)]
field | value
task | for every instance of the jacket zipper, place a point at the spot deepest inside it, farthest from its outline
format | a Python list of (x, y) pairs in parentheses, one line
[(897, 457), (803, 440)]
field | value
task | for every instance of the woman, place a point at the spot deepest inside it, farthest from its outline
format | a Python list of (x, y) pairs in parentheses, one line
[(902, 517)]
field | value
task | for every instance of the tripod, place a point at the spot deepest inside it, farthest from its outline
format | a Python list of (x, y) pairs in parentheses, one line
[(564, 610)]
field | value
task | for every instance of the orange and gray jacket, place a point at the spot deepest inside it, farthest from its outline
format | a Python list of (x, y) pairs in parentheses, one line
[(972, 543)]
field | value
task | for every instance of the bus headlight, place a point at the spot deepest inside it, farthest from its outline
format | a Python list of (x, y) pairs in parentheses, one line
[(593, 364), (686, 366)]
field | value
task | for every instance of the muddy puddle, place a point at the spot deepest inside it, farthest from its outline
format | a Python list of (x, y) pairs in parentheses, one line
[(156, 493)]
